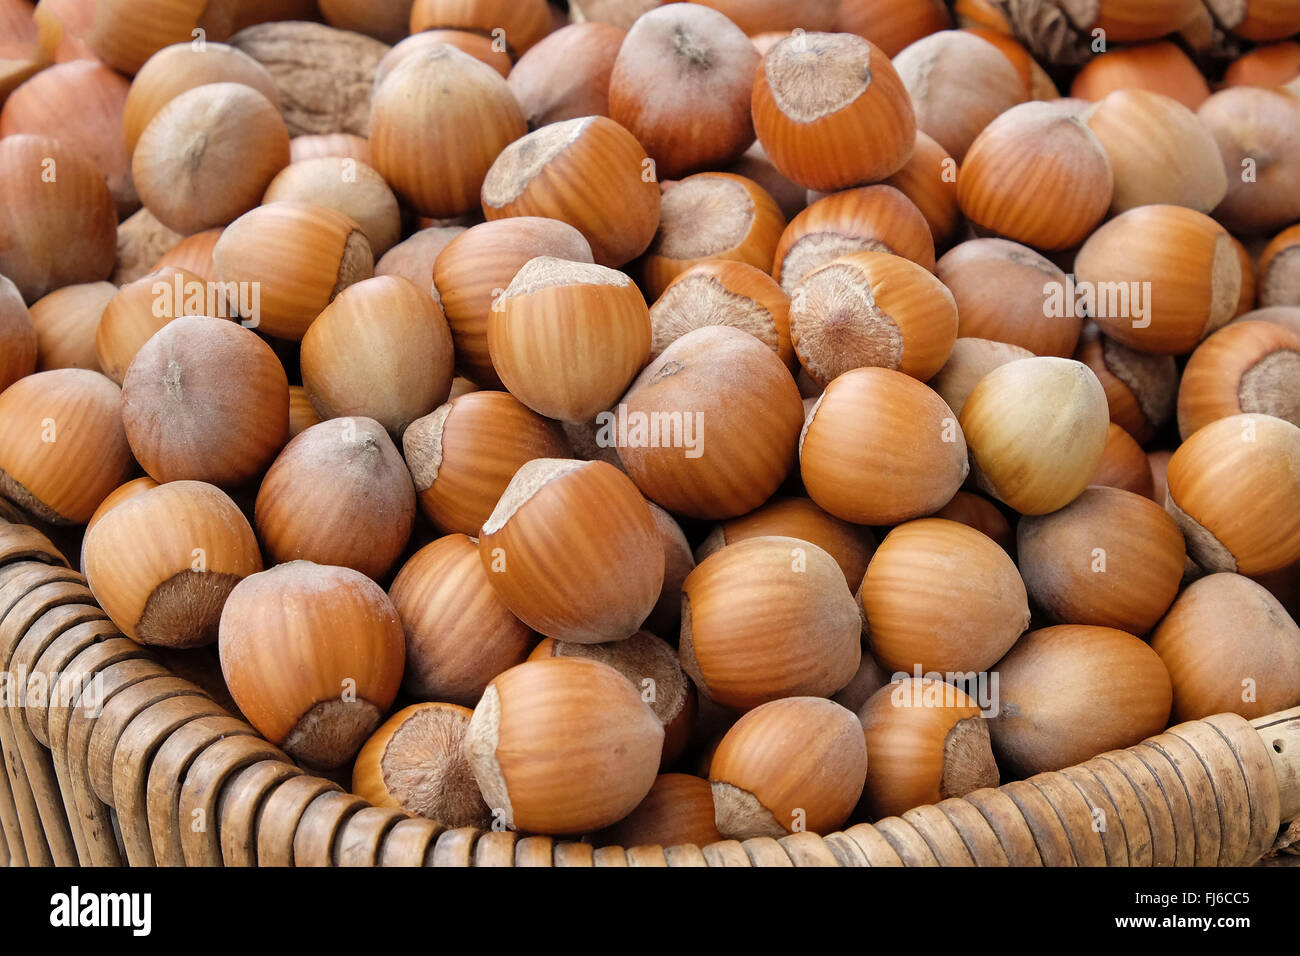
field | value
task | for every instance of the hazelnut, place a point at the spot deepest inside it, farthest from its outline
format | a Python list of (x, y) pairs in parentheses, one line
[(312, 655), (710, 428), (767, 618), (563, 745), (793, 764), (415, 762), (940, 596), (572, 550)]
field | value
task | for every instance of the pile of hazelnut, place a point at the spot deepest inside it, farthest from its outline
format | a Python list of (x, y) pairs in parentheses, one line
[(661, 424)]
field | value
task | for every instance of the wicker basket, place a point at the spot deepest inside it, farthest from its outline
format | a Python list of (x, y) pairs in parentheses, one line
[(111, 759)]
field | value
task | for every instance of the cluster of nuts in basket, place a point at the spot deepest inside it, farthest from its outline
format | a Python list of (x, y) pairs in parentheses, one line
[(693, 421)]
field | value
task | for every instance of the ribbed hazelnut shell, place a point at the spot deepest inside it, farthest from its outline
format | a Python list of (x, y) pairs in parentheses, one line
[(66, 321), (1036, 175), (768, 16), (1157, 67), (301, 414), (869, 679), (208, 155), (941, 596), (338, 494), (61, 440), (959, 84), (57, 232), (803, 759), (1225, 636), (413, 258), (864, 140), (18, 341), (755, 165), (1279, 270), (187, 418), (850, 545), (971, 359), (983, 515), (999, 289), (381, 349), (463, 455), (80, 104), (743, 412), (1174, 159), (180, 67), (574, 748), (1036, 83), (389, 22), (1124, 464), (150, 542), (300, 255), (1110, 558), (651, 664), (681, 84), (578, 559), (1071, 692), (481, 47), (873, 218), (695, 204), (1264, 20), (293, 635), (767, 618), (338, 145), (906, 725), (666, 618), (1273, 64), (459, 634), (887, 467), (1287, 316), (351, 186), (982, 13), (677, 811), (1237, 480), (929, 179), (194, 254), (1189, 261), (121, 493), (723, 292), (437, 123), (1258, 132), (1141, 388), (132, 316), (1036, 429), (1127, 22), (127, 32), (889, 24), (1217, 381), (569, 351), (599, 183), (476, 266), (1159, 462), (524, 22), (567, 74), (899, 316), (415, 763)]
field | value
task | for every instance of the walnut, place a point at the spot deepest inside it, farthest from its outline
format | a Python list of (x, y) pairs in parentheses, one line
[(323, 75)]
